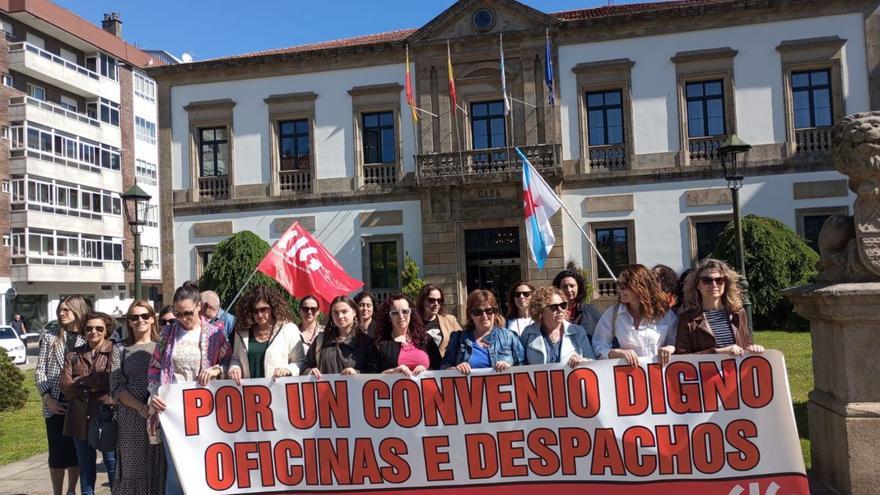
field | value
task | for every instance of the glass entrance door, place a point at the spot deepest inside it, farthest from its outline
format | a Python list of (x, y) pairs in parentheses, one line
[(493, 262)]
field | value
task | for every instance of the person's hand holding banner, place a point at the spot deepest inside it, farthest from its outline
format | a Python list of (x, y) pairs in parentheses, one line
[(702, 424)]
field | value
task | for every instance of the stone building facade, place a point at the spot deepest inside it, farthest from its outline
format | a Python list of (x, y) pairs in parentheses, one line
[(643, 96)]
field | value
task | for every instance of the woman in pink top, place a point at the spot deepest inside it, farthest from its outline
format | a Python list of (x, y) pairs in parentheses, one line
[(404, 345)]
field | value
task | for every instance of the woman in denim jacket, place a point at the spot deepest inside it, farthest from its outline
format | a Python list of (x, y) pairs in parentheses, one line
[(484, 342), (551, 338)]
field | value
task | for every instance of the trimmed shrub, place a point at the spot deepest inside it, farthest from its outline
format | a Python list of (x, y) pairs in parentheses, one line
[(776, 259), (12, 392), (409, 277)]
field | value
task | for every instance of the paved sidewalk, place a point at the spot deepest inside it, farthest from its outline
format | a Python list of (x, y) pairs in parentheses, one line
[(31, 477)]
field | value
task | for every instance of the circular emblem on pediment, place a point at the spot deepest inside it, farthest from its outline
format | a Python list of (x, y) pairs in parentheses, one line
[(483, 19)]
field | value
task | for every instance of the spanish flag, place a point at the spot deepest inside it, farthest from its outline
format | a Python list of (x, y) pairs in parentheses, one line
[(409, 90), (452, 97)]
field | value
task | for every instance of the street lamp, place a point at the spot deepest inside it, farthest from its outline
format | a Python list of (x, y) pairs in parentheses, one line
[(734, 167), (136, 202)]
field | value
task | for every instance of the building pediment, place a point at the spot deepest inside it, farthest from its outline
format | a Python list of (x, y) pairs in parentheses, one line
[(475, 17)]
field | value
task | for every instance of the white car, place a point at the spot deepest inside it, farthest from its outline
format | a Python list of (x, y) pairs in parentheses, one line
[(15, 348)]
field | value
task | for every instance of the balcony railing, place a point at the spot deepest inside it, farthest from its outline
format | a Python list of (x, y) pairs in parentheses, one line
[(608, 157), (295, 181), (488, 161), (214, 187), (812, 140), (380, 174), (17, 47), (58, 109), (704, 149), (606, 287)]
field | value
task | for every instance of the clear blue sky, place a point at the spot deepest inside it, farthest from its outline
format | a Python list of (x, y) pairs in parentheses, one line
[(208, 29)]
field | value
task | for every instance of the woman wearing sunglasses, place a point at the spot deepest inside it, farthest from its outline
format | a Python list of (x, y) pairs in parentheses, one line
[(551, 338), (85, 380), (309, 312), (438, 323), (342, 348), (190, 349), (712, 318), (166, 316), (518, 298), (640, 321), (266, 341), (574, 287), (140, 464), (403, 345), (484, 342)]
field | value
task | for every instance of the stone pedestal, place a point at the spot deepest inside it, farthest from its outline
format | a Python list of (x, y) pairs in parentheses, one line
[(844, 407)]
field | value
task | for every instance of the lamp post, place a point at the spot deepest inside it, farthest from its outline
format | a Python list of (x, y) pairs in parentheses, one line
[(136, 202), (734, 167)]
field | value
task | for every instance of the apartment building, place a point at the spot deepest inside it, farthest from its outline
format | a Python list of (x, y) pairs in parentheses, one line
[(643, 95), (79, 128)]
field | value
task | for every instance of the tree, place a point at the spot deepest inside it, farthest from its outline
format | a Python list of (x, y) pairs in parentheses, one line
[(776, 259), (409, 277), (231, 264), (12, 392)]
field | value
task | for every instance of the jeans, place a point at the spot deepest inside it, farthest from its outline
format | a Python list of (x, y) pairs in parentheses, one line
[(88, 471), (172, 481)]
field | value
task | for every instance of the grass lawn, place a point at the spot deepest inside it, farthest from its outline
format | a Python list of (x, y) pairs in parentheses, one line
[(798, 350), (23, 432)]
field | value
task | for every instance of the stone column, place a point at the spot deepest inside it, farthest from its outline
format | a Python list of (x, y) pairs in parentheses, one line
[(844, 313), (844, 407)]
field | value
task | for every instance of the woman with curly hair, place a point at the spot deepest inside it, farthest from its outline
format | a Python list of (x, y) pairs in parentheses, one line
[(712, 318), (573, 286), (640, 321), (518, 298), (438, 323), (266, 342), (551, 338), (484, 342), (403, 345)]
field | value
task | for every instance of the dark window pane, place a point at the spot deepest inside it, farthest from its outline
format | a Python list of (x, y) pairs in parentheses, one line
[(386, 118), (819, 78), (478, 109), (714, 108), (597, 136), (800, 79), (286, 128), (713, 88), (812, 227), (694, 90), (612, 98), (371, 120), (707, 234), (595, 99), (615, 135), (716, 126)]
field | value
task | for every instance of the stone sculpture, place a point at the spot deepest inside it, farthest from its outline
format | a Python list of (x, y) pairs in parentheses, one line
[(850, 245)]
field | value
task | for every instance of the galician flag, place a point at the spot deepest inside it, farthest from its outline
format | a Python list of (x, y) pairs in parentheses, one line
[(539, 204)]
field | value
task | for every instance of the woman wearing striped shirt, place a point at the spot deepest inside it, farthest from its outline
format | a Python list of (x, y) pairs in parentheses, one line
[(713, 318)]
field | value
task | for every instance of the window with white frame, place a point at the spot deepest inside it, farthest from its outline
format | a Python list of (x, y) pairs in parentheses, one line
[(5, 185), (6, 80), (7, 240), (69, 103), (36, 92), (52, 144), (146, 172), (150, 253), (144, 87), (145, 130), (109, 67), (104, 110)]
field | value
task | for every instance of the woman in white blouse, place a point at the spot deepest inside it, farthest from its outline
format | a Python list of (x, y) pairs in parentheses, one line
[(640, 321)]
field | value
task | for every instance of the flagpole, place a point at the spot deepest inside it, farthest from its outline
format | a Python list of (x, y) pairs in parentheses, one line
[(576, 223), (454, 112), (248, 279), (508, 108)]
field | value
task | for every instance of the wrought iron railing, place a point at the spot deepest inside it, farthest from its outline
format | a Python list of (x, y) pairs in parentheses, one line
[(606, 287), (704, 149), (380, 174), (486, 161)]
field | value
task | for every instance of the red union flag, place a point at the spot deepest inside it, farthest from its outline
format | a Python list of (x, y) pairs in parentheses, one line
[(303, 266)]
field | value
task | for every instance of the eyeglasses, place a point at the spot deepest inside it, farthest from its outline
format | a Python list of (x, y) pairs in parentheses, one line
[(713, 280), (400, 312), (90, 329), (264, 310), (477, 312), (169, 321), (308, 309), (557, 307), (434, 300), (141, 316), (184, 314), (525, 293)]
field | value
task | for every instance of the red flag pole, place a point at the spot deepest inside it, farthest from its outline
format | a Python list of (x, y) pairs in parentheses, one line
[(256, 268)]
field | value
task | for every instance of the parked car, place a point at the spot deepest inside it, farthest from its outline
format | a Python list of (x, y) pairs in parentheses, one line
[(10, 341)]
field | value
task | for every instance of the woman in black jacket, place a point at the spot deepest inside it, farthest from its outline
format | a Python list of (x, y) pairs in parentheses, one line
[(403, 344)]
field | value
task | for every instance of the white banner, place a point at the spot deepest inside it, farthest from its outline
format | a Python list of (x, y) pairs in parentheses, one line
[(701, 425)]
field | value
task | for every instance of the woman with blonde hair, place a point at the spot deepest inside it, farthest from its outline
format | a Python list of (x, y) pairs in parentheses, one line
[(552, 338), (712, 318), (55, 343), (140, 462), (640, 321), (484, 342)]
